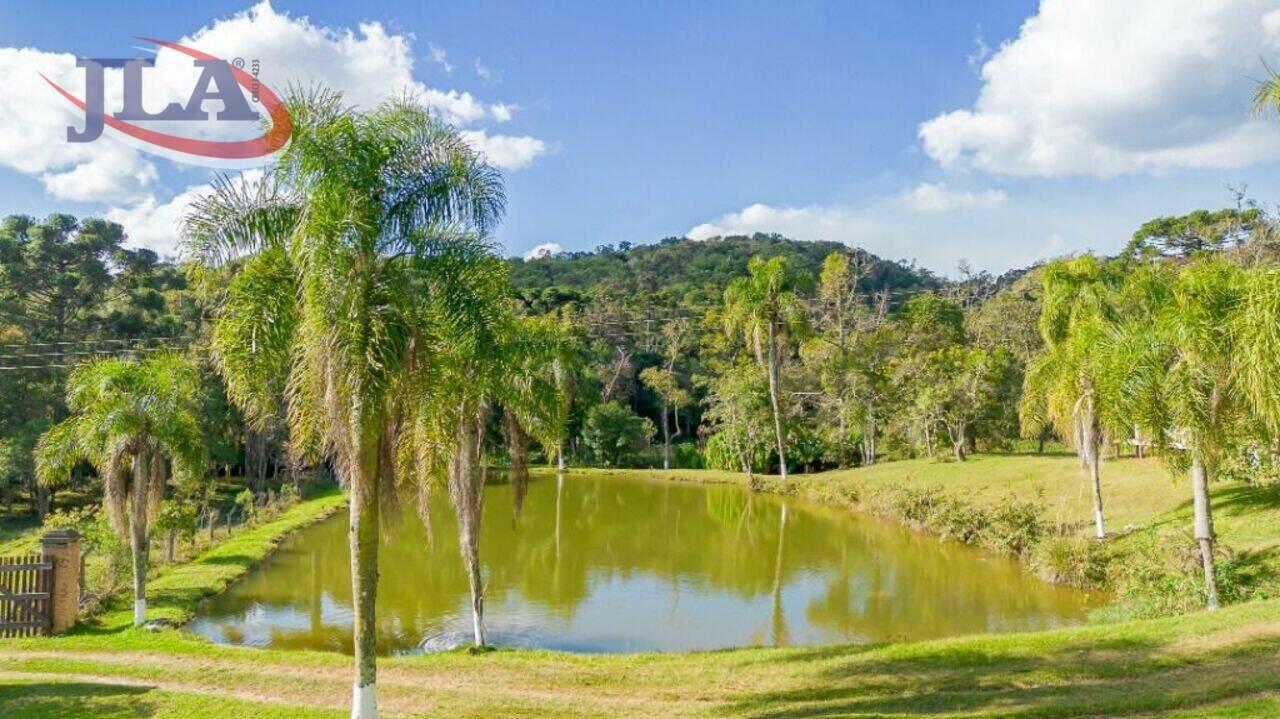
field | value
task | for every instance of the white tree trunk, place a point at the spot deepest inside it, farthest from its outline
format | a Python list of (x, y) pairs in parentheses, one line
[(1204, 525), (364, 701)]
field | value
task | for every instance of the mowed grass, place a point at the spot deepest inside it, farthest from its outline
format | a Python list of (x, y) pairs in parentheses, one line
[(1137, 493), (1221, 664)]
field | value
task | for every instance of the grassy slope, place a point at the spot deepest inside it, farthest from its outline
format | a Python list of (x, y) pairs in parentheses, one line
[(1136, 492), (1221, 664)]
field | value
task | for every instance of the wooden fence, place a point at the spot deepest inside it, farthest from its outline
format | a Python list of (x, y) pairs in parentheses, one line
[(26, 585)]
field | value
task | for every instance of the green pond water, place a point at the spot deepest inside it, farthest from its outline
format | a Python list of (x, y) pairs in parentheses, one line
[(594, 564)]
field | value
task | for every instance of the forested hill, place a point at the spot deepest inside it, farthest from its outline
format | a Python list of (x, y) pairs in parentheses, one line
[(681, 271)]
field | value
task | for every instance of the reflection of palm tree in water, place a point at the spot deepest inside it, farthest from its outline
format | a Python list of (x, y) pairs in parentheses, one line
[(559, 494), (317, 625), (779, 620)]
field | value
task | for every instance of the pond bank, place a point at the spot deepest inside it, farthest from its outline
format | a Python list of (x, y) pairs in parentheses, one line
[(1198, 665)]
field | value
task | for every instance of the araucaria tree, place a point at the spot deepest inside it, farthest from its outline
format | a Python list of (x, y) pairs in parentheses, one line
[(763, 310), (332, 245), (1062, 386), (137, 423)]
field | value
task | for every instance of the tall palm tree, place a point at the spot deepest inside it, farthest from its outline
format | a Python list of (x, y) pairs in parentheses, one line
[(485, 359), (331, 244), (1208, 364), (1061, 387), (763, 309), (134, 421)]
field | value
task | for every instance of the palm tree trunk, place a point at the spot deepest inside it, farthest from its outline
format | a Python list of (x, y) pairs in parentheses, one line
[(773, 399), (466, 486), (1095, 476), (666, 440), (363, 539), (138, 535), (560, 456), (1091, 442), (1204, 525)]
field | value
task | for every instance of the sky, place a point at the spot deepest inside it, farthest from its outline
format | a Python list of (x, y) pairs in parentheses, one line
[(995, 134)]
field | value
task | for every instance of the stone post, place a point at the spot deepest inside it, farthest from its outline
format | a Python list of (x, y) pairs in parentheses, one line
[(62, 549)]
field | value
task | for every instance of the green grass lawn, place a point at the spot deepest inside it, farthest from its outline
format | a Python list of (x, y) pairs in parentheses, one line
[(1221, 664)]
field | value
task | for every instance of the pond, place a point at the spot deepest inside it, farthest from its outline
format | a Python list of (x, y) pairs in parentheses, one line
[(599, 564)]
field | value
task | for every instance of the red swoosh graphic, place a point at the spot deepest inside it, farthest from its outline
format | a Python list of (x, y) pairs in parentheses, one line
[(274, 139)]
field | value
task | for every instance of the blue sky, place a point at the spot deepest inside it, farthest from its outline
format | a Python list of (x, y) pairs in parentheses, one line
[(1000, 133)]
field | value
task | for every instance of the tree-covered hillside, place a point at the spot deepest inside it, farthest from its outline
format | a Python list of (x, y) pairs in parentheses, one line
[(682, 271)]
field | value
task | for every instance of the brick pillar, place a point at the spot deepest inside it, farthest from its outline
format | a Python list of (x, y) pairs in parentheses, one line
[(62, 548)]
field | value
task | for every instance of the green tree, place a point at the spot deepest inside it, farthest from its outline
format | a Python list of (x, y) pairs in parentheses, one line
[(1206, 365), (1062, 387), (332, 244), (615, 434), (1193, 233), (763, 310), (487, 360), (663, 382), (133, 422)]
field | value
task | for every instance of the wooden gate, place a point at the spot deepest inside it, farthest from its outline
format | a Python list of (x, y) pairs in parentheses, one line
[(25, 588)]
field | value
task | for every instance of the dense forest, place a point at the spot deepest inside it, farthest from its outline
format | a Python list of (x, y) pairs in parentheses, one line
[(872, 359)]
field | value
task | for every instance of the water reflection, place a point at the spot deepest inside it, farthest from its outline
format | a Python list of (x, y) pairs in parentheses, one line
[(596, 564)]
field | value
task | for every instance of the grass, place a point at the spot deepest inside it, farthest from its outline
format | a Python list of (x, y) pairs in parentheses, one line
[(1221, 664), (1137, 494)]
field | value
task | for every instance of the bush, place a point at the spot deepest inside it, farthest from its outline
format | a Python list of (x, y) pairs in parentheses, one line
[(1016, 525), (1073, 561), (615, 434), (1161, 574), (1013, 526), (105, 560)]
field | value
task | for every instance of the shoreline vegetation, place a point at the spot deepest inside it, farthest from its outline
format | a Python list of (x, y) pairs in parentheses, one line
[(104, 668)]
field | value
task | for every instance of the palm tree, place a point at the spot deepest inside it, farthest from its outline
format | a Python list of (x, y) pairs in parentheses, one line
[(1061, 385), (486, 360), (1207, 365), (134, 422), (762, 309), (331, 244), (662, 381)]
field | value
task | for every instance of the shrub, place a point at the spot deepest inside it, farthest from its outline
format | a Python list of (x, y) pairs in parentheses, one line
[(1073, 561), (1016, 525), (615, 434), (1161, 574)]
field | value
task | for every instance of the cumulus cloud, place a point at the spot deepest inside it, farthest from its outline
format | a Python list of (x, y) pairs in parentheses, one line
[(1101, 87), (505, 151), (930, 197), (154, 224), (367, 63), (544, 250), (808, 223)]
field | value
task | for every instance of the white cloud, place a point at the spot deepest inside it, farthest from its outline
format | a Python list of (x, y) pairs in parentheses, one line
[(1103, 88), (154, 224), (157, 225), (33, 133), (483, 71), (505, 151), (803, 223), (930, 197), (439, 57), (544, 250), (367, 63), (981, 50)]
